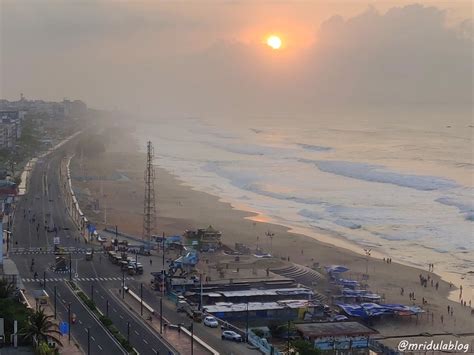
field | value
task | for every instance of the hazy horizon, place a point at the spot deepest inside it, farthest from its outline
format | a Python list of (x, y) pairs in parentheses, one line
[(200, 58)]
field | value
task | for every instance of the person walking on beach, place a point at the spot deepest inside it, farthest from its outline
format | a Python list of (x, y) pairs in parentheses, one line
[(442, 319), (448, 308), (437, 285), (402, 291), (151, 262)]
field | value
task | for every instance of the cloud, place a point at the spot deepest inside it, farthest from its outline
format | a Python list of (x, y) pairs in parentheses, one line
[(406, 55), (112, 53)]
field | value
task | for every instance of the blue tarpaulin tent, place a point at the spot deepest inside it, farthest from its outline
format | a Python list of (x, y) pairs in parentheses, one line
[(366, 310), (336, 269)]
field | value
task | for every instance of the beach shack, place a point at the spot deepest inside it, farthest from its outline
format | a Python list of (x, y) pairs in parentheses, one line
[(41, 297), (280, 310), (345, 337), (209, 238)]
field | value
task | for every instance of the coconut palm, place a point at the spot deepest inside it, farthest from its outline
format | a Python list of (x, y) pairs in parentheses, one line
[(40, 328)]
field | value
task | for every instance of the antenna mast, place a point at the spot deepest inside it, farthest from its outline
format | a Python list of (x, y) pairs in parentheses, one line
[(149, 210)]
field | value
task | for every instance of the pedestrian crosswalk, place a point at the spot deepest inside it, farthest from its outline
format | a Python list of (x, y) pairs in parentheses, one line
[(44, 251), (78, 279)]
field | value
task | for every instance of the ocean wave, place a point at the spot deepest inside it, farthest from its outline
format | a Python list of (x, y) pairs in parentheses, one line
[(251, 182), (377, 173), (314, 148), (249, 149), (348, 224), (465, 207)]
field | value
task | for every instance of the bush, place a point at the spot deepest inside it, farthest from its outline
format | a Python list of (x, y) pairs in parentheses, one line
[(89, 303), (258, 332), (105, 321)]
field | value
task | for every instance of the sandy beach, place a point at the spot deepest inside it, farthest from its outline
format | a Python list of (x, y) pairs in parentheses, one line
[(115, 179)]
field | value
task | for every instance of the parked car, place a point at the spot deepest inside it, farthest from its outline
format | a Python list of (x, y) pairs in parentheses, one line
[(231, 335), (211, 322)]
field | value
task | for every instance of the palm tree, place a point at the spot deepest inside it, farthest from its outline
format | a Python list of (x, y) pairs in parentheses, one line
[(6, 288), (40, 328)]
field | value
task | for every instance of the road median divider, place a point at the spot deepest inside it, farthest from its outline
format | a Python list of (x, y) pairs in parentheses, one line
[(105, 321)]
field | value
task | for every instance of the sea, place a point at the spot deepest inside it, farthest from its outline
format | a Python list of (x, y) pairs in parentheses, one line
[(398, 183)]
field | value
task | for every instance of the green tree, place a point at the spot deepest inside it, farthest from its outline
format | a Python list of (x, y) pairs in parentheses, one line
[(6, 288), (303, 347), (39, 328), (44, 349)]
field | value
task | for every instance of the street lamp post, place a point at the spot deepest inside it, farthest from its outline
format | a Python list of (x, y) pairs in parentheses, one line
[(69, 321), (123, 284), (88, 341), (161, 315), (200, 291), (192, 338), (288, 336), (247, 324), (367, 254), (70, 267), (128, 332), (55, 301), (141, 299)]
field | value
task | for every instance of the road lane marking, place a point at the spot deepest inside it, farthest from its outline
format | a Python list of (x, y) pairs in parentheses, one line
[(137, 333), (92, 338), (80, 322), (113, 309), (121, 317), (100, 347), (145, 341), (154, 351), (101, 296)]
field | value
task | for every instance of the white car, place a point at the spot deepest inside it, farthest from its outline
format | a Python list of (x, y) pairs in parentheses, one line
[(231, 335), (211, 322)]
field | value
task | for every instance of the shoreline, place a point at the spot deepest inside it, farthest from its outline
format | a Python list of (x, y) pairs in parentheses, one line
[(181, 207), (326, 237)]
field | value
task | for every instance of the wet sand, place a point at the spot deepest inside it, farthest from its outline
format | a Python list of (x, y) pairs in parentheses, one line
[(179, 207)]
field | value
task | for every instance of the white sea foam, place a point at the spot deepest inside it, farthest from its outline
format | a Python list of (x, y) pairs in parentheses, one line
[(357, 192), (375, 173)]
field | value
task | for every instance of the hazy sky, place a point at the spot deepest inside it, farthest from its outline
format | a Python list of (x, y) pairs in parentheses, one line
[(208, 56)]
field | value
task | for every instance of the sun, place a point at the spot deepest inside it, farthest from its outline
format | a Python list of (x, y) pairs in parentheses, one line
[(274, 42)]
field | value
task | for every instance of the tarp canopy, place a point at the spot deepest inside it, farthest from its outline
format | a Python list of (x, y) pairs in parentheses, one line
[(360, 293), (348, 283), (367, 310), (332, 269)]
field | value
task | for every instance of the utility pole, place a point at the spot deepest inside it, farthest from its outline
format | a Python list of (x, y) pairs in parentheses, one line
[(149, 208)]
